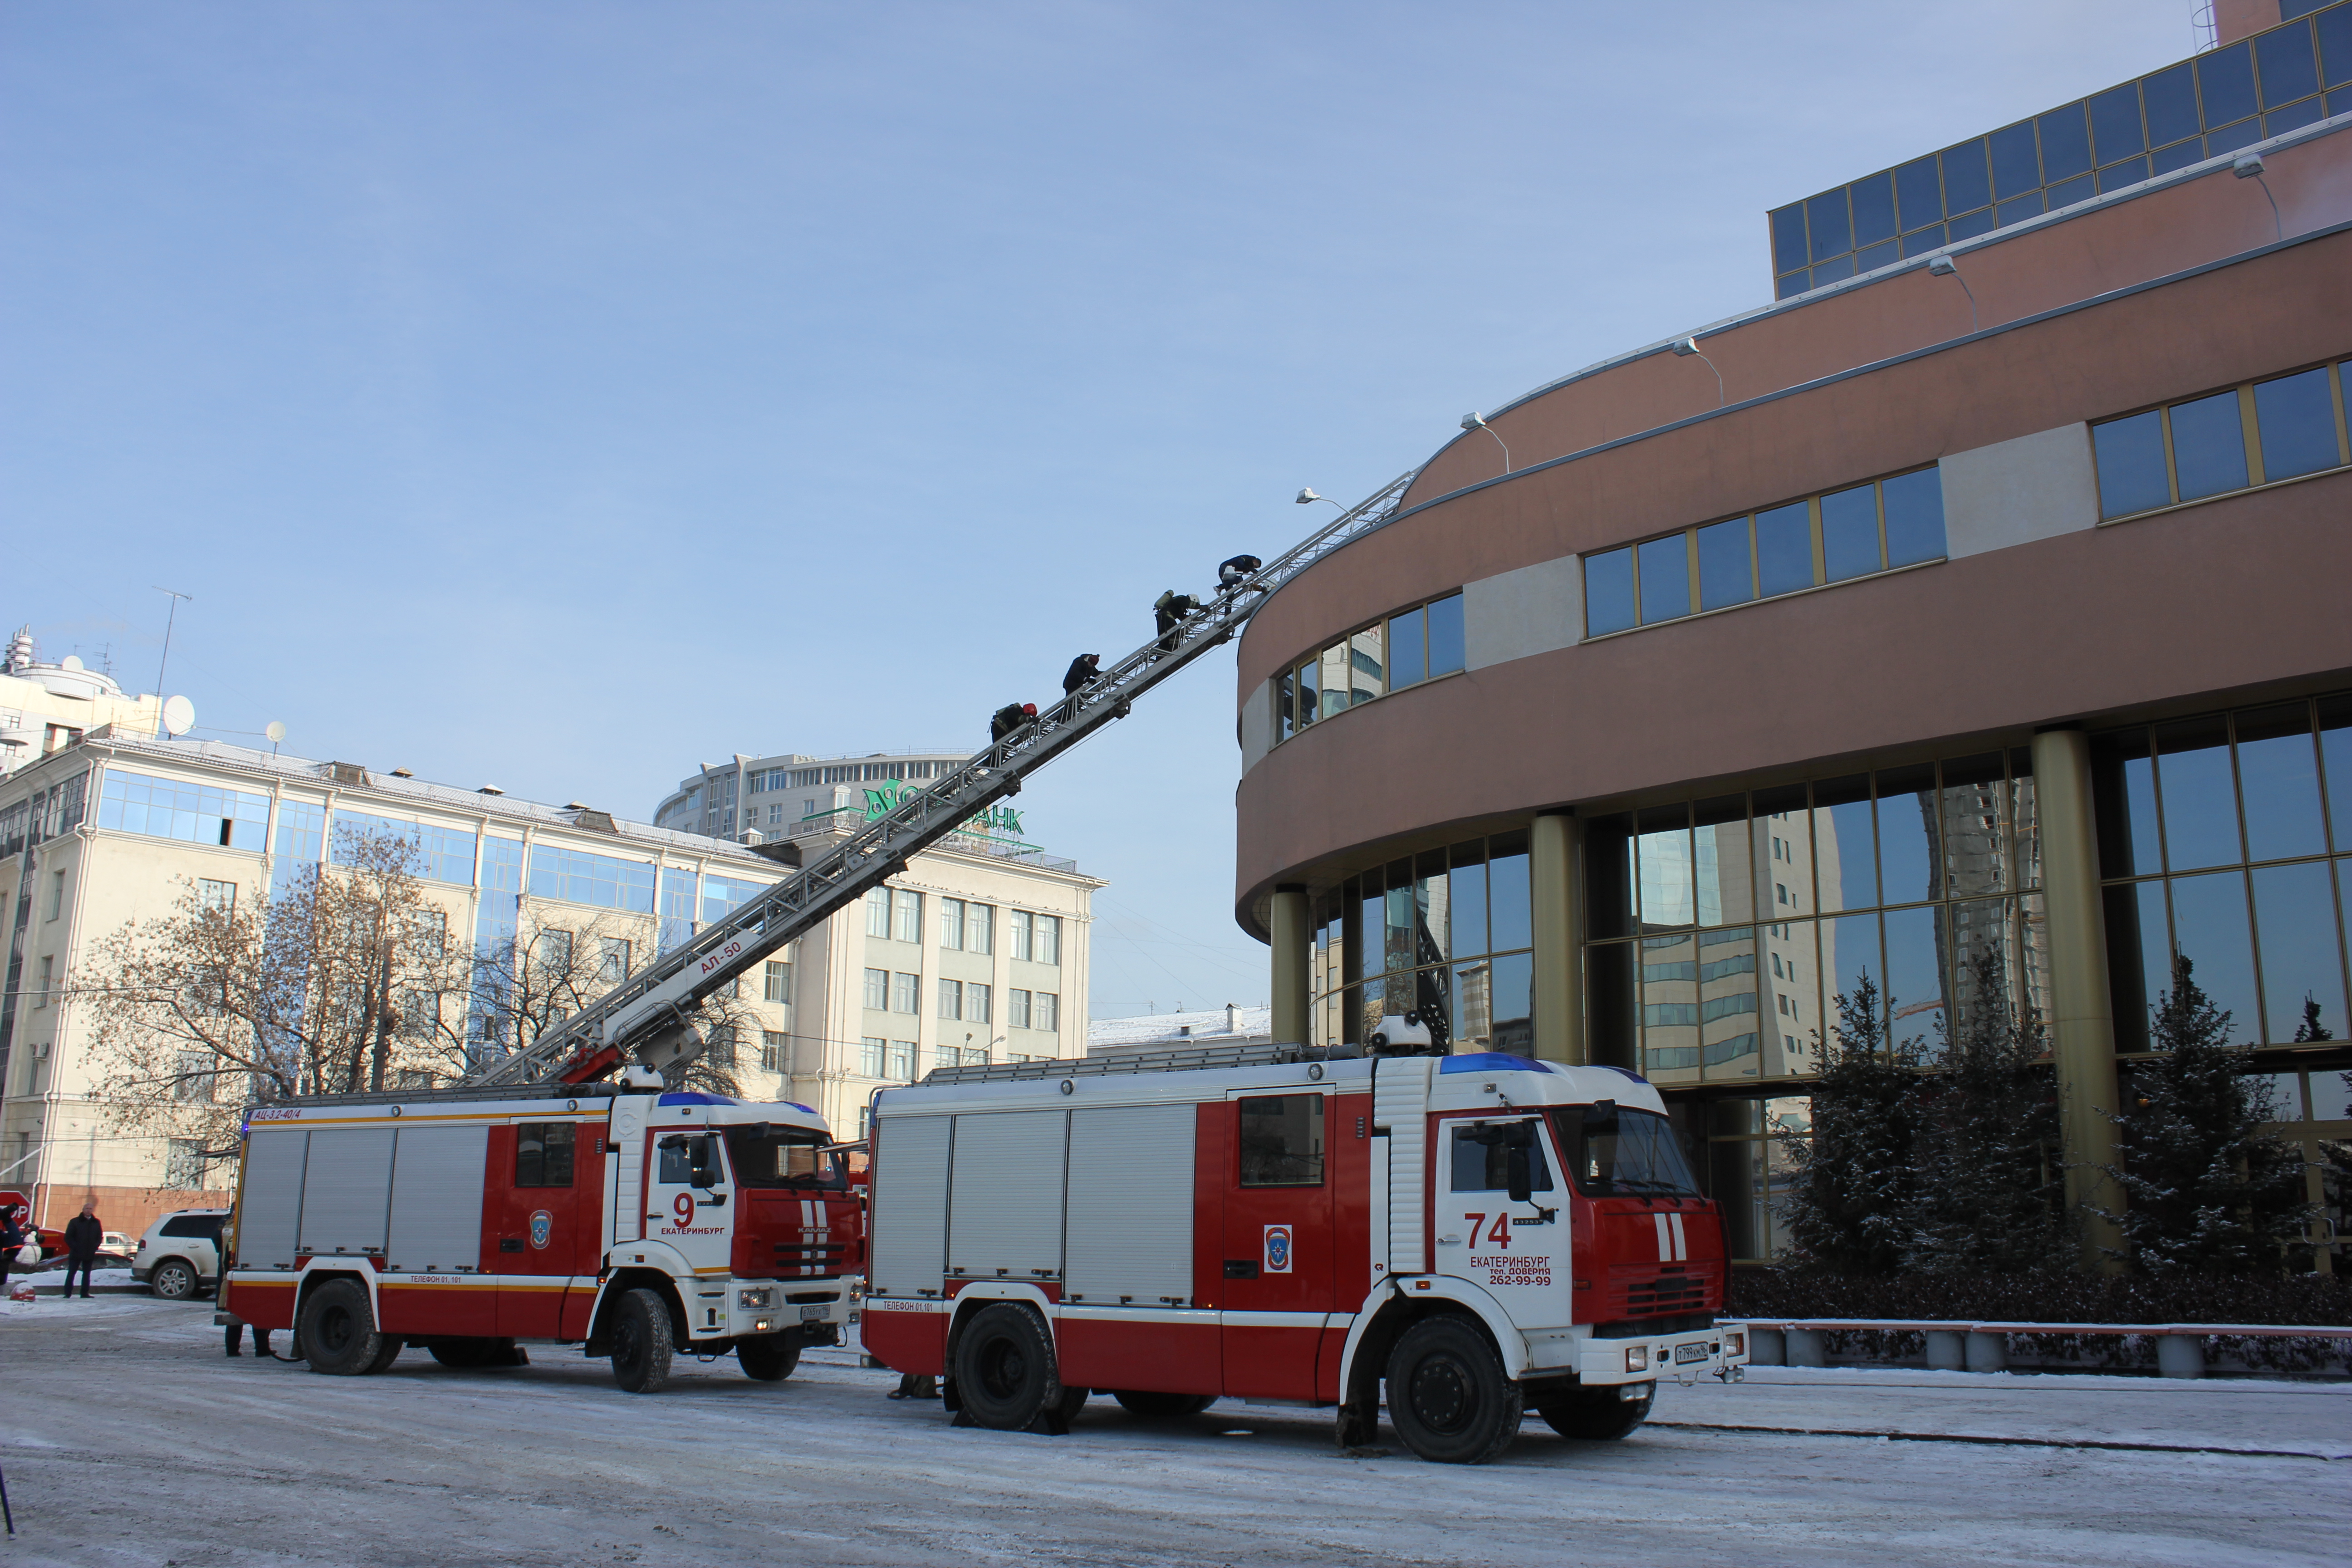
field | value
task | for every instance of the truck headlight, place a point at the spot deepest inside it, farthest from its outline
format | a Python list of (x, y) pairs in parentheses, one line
[(1637, 1358), (757, 1300)]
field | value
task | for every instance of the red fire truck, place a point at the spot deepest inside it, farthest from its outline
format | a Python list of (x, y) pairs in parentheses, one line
[(1484, 1233), (624, 1218)]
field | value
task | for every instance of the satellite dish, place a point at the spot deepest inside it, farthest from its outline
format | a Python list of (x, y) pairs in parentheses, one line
[(276, 730), (179, 716)]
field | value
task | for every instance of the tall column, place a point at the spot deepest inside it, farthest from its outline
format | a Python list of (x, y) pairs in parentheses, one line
[(1555, 853), (1292, 948), (2082, 1015)]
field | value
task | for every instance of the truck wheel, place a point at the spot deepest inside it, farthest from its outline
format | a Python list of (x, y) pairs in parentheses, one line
[(768, 1359), (1596, 1414), (1447, 1394), (337, 1330), (173, 1279), (1005, 1368), (1158, 1407), (641, 1342), (466, 1354), (392, 1345)]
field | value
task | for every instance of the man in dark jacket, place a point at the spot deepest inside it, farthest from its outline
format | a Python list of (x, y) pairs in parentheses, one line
[(1081, 673), (1168, 613), (1008, 719), (12, 1237), (83, 1235), (1230, 573)]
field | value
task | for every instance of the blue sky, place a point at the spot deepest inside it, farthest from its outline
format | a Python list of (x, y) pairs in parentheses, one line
[(561, 395)]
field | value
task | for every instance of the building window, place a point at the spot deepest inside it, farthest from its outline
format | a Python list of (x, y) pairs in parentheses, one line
[(877, 912), (1828, 538), (878, 989), (771, 1050), (1025, 925), (1399, 651), (193, 813), (613, 962), (554, 952), (185, 1169), (976, 1002), (902, 1061), (951, 998), (1924, 880), (41, 984), (1016, 1006), (57, 894), (2260, 432), (870, 1055), (721, 1049), (214, 895), (978, 922), (906, 992), (906, 915), (581, 877), (1046, 1011), (779, 978), (951, 923)]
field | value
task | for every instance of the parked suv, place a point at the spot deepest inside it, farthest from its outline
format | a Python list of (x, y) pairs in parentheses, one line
[(179, 1257)]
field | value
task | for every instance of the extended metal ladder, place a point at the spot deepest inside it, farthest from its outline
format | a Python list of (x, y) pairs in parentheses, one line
[(650, 1014)]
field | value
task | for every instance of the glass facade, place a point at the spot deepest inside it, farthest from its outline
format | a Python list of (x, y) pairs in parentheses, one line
[(2222, 100), (1390, 655), (2262, 432), (1445, 935), (194, 813), (1828, 538), (579, 877), (1724, 929), (2222, 840), (443, 854)]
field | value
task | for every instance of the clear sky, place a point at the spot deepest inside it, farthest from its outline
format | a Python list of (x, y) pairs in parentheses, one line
[(561, 395)]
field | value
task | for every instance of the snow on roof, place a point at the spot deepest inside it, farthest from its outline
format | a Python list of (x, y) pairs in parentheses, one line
[(1158, 1029)]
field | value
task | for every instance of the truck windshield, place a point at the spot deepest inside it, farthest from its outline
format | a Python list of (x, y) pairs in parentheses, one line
[(770, 1156), (1623, 1153)]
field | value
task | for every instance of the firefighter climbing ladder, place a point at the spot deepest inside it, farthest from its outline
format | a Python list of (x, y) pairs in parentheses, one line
[(651, 1014)]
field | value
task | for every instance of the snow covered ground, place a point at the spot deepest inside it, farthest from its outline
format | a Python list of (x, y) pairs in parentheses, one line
[(127, 1437)]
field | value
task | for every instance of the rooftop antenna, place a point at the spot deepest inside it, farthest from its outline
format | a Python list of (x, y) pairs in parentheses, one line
[(169, 621), (276, 730)]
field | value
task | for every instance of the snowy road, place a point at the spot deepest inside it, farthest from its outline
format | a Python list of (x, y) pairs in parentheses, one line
[(130, 1439)]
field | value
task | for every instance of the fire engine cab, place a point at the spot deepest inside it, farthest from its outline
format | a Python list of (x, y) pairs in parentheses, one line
[(627, 1219), (1485, 1234)]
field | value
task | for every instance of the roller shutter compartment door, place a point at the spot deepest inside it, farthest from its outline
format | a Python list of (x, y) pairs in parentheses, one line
[(436, 1199), (909, 1243), (272, 1199), (1131, 1226), (346, 1191), (1005, 1201)]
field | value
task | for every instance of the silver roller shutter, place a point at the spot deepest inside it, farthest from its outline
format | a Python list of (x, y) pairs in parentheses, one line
[(1130, 1234), (346, 1191), (272, 1198), (436, 1199), (1005, 1201), (910, 1204), (1400, 1104)]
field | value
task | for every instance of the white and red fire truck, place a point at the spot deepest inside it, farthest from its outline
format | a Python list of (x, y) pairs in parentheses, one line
[(1485, 1234), (625, 1218)]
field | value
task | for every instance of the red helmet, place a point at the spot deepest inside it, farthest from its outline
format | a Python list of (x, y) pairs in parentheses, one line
[(1030, 709)]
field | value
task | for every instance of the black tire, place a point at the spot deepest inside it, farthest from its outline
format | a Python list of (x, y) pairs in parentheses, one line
[(1595, 1415), (392, 1345), (1160, 1407), (469, 1354), (641, 1342), (1448, 1396), (1003, 1368), (337, 1329), (175, 1279), (770, 1358)]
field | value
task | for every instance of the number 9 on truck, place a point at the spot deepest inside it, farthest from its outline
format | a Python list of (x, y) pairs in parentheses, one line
[(683, 1206)]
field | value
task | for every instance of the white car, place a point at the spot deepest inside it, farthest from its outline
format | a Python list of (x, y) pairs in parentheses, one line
[(179, 1257)]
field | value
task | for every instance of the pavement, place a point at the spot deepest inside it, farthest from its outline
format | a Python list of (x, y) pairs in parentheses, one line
[(129, 1438)]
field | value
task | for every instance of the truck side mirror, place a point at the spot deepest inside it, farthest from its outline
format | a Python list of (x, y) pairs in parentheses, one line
[(1516, 1173)]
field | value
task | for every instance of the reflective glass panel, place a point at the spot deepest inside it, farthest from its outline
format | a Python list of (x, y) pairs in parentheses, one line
[(2019, 208), (1922, 241), (2294, 116), (2115, 123), (2016, 166), (2278, 780), (1968, 184), (1915, 516), (1506, 892), (1968, 226), (1789, 237), (2132, 171), (1467, 899), (2336, 751), (1916, 982), (1670, 1007), (1725, 574), (2082, 188), (2208, 926), (2139, 945), (2297, 418), (2125, 783), (1845, 852), (2287, 67), (2131, 466), (1973, 846), (2201, 809), (1833, 270), (2335, 25), (1883, 254), (1730, 1023), (2171, 98), (1366, 665), (2065, 143), (1784, 548), (2294, 911), (2164, 160), (1825, 216), (1608, 593), (1665, 579), (1514, 1003), (2279, 1093), (1849, 954), (1310, 684), (1874, 209), (1850, 532), (1446, 635), (1408, 650), (1663, 867), (1434, 906), (1983, 989), (2225, 81), (1788, 980), (1336, 684), (1919, 193), (2025, 821), (1723, 871), (2034, 955), (1906, 805), (1402, 921), (2229, 138)]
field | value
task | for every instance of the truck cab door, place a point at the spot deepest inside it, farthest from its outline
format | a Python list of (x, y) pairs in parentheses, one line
[(690, 1204), (1515, 1247), (1278, 1245), (535, 1249)]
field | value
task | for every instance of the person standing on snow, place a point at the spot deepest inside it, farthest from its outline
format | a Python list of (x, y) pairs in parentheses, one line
[(83, 1235)]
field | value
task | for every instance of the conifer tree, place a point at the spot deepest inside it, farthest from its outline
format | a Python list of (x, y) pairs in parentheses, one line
[(2207, 1189), (1852, 1208)]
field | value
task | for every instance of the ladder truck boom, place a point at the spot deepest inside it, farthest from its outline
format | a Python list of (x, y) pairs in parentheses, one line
[(650, 1016)]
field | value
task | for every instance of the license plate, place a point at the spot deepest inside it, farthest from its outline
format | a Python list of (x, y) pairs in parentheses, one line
[(813, 1314), (1690, 1352)]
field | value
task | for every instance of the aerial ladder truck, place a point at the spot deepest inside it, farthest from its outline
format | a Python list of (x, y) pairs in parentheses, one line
[(564, 1193)]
